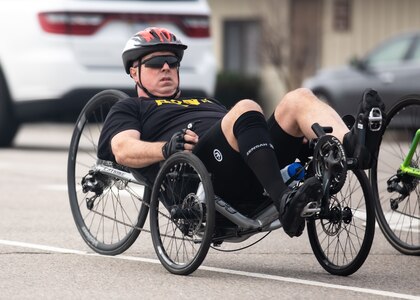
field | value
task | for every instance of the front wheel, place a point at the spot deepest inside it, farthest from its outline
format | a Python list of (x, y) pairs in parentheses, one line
[(182, 213), (341, 238), (397, 194)]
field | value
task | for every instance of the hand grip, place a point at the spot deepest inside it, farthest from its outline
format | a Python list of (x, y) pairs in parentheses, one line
[(320, 130)]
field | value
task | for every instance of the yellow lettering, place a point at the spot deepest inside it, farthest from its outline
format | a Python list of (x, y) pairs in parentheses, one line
[(173, 101), (191, 102), (163, 101), (184, 102)]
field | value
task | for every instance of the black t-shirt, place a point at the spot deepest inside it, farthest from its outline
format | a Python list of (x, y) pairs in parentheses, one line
[(158, 119)]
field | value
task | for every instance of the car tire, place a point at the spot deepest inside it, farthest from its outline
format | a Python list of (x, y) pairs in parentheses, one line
[(323, 96), (8, 122)]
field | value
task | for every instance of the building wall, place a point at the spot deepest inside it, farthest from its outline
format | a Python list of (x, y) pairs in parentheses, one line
[(274, 12), (372, 21), (223, 10)]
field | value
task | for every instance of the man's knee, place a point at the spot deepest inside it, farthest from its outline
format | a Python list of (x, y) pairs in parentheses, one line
[(295, 101), (229, 120), (299, 95), (246, 105)]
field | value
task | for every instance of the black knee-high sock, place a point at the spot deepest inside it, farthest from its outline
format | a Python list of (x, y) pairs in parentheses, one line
[(257, 150), (288, 147)]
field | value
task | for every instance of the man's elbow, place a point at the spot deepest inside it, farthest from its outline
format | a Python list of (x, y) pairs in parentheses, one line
[(120, 155), (121, 160)]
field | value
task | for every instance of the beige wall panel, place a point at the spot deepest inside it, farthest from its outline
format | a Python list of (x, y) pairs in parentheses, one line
[(274, 11), (242, 9), (372, 21)]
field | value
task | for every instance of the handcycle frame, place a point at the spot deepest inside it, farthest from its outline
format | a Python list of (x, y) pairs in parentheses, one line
[(102, 182), (405, 166)]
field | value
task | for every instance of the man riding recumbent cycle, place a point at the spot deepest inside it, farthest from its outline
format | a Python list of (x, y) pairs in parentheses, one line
[(207, 175)]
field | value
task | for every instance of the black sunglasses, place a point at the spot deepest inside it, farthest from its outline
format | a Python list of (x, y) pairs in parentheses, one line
[(157, 62)]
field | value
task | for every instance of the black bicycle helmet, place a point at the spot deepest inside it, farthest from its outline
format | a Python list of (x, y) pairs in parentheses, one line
[(150, 40)]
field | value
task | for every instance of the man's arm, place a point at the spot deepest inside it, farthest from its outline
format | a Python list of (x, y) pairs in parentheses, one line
[(132, 152)]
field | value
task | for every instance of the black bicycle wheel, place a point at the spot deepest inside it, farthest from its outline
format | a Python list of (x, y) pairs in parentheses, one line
[(341, 240), (397, 200), (110, 212), (182, 213)]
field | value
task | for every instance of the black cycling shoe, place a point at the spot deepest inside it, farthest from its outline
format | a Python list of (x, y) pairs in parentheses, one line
[(293, 202), (363, 139)]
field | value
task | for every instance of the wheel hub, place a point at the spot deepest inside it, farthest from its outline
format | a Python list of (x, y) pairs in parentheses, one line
[(189, 215), (336, 216)]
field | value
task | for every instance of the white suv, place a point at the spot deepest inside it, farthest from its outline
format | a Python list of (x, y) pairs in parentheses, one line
[(56, 54)]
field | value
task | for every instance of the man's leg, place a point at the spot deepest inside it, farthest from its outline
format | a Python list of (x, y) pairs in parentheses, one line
[(293, 118), (245, 129), (247, 132), (299, 109)]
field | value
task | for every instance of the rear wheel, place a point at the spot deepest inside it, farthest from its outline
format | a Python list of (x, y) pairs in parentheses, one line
[(342, 237), (182, 213), (397, 195), (109, 212)]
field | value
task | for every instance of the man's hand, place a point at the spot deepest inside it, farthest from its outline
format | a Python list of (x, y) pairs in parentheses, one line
[(180, 141)]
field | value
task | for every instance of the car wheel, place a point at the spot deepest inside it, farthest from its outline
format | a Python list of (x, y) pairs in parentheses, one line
[(324, 97), (8, 122)]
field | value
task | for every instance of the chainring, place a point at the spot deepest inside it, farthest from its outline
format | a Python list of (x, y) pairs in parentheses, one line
[(329, 162)]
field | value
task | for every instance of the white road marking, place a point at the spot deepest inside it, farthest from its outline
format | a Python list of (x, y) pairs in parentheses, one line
[(218, 270)]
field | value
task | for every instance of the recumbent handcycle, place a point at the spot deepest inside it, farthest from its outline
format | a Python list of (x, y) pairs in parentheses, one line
[(110, 203)]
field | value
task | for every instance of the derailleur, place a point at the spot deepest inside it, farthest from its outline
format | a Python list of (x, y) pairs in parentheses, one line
[(403, 184), (94, 182)]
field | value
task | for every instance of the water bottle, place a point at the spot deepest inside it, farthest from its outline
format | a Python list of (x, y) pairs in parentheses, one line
[(292, 174)]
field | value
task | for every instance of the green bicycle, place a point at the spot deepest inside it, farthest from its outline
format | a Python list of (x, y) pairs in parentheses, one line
[(395, 177)]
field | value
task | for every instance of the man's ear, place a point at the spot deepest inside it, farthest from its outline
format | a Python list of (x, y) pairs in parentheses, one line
[(133, 72)]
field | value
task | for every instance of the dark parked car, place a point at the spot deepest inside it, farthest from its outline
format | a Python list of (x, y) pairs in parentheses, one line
[(393, 69)]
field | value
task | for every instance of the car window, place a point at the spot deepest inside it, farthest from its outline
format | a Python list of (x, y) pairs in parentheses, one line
[(416, 52), (390, 53)]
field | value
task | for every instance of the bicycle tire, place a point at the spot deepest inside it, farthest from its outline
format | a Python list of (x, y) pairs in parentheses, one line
[(342, 242), (181, 242), (112, 225), (400, 225)]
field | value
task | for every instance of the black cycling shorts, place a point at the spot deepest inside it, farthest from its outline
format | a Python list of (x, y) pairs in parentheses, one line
[(233, 180)]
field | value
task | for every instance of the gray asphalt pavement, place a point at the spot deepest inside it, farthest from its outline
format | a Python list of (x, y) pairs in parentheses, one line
[(42, 255)]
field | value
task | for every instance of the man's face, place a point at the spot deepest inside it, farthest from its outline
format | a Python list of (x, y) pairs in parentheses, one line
[(159, 74)]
